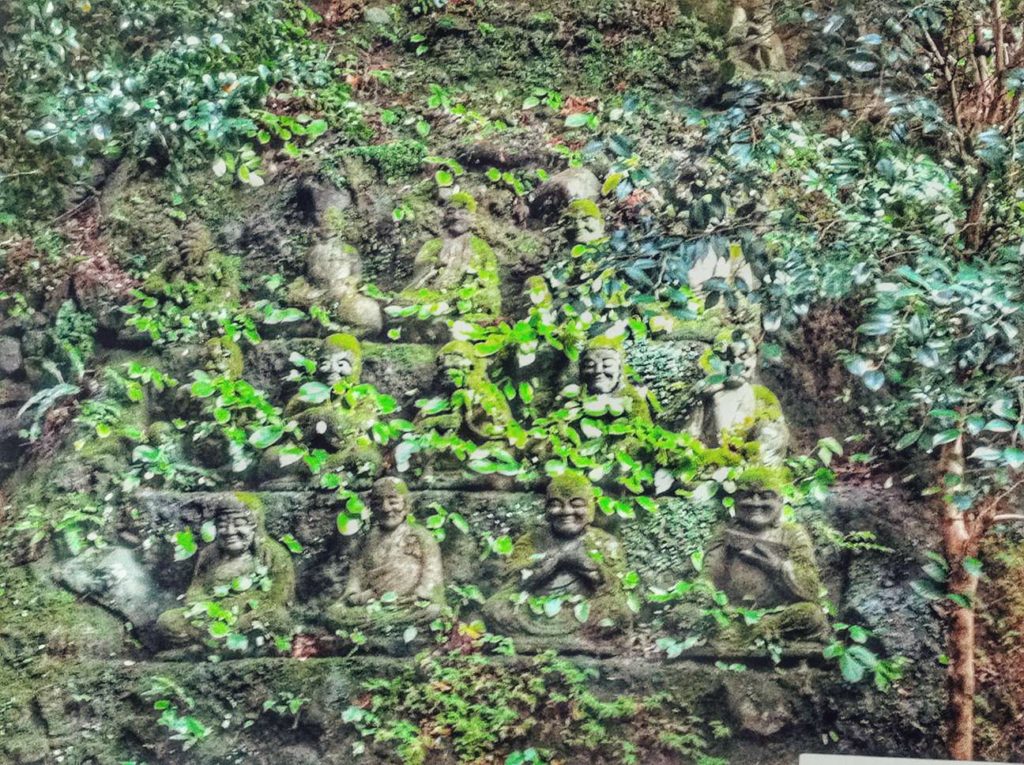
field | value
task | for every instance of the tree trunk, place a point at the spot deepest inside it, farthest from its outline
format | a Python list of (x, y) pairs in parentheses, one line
[(960, 541), (961, 668)]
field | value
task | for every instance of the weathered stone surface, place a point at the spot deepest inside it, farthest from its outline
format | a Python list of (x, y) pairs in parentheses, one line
[(118, 581), (11, 360), (554, 195)]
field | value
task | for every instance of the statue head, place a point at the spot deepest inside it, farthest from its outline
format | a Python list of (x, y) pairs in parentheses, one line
[(332, 260), (602, 367), (569, 508), (456, 220), (342, 359), (758, 498), (389, 502), (455, 361), (237, 527)]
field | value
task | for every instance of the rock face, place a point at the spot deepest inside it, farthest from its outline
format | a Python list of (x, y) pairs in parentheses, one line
[(501, 422), (119, 582), (552, 197)]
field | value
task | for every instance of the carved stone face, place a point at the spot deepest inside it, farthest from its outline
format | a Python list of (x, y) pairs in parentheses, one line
[(759, 510), (452, 369), (236, 530), (337, 365), (601, 371), (389, 507), (568, 517), (456, 222)]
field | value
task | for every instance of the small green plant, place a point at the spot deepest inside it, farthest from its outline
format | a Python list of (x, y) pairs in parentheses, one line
[(175, 705)]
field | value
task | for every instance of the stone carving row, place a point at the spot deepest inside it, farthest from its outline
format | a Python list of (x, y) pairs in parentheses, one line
[(564, 580)]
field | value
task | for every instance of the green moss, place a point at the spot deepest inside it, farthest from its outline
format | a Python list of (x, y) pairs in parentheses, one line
[(762, 478), (430, 250), (398, 159), (571, 484), (407, 357)]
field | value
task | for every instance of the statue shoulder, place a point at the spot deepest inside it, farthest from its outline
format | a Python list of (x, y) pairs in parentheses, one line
[(425, 538)]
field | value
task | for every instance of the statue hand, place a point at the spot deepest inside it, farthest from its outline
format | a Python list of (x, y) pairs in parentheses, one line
[(359, 598), (762, 558)]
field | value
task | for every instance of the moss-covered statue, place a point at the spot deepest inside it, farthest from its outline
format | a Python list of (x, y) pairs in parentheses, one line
[(753, 44), (335, 272), (762, 562), (339, 426), (564, 577), (244, 580), (735, 411), (399, 558), (478, 412), (458, 268), (603, 378)]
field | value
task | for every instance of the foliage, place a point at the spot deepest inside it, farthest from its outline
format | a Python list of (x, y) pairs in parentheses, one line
[(484, 706), (175, 84)]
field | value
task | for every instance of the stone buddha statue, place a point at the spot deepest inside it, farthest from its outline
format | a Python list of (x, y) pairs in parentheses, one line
[(566, 560), (752, 42), (603, 377), (335, 272), (763, 563), (479, 412), (456, 274), (338, 426), (735, 411), (244, 572), (397, 557)]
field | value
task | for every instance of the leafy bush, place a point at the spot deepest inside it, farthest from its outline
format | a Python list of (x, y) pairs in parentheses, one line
[(171, 82)]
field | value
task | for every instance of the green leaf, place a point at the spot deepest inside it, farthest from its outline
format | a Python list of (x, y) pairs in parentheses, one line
[(184, 545), (578, 120), (853, 670), (444, 178), (945, 437), (502, 545), (972, 566), (237, 642), (347, 525), (219, 629), (202, 389), (314, 393), (552, 607), (208, 531), (293, 545), (266, 436), (410, 634), (581, 611)]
